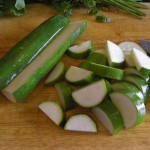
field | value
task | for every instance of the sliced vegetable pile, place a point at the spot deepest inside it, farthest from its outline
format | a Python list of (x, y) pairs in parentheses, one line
[(105, 83)]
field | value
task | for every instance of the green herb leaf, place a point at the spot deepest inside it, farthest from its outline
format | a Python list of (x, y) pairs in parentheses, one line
[(101, 18)]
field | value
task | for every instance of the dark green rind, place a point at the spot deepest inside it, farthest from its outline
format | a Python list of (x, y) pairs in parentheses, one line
[(24, 52), (113, 114), (66, 92), (144, 71), (103, 71), (81, 55), (25, 89), (137, 102), (97, 58)]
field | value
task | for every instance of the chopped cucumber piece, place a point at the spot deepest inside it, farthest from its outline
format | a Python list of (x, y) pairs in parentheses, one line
[(131, 107), (25, 82), (128, 60), (102, 51), (128, 46), (98, 58), (128, 86), (109, 116), (81, 122), (78, 75), (138, 81), (56, 74), (53, 111), (103, 71), (115, 54), (64, 94), (130, 70), (142, 61), (81, 50), (91, 95)]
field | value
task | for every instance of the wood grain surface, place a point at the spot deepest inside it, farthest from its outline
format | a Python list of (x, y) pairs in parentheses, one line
[(24, 127)]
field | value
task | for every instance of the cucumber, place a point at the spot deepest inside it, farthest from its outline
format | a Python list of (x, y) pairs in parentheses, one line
[(91, 95), (137, 81), (53, 111), (142, 61), (128, 46), (64, 94), (131, 107), (98, 58), (128, 60), (81, 122), (25, 82), (102, 51), (24, 52), (78, 75), (109, 116), (115, 54), (130, 70), (57, 74), (128, 86), (81, 50), (103, 71)]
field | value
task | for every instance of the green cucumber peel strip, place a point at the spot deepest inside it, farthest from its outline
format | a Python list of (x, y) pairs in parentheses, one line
[(75, 29), (109, 116), (24, 52)]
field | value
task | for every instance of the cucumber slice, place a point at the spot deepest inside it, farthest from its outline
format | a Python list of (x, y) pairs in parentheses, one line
[(81, 50), (128, 86), (24, 52), (128, 46), (64, 94), (78, 75), (98, 58), (129, 71), (25, 82), (131, 107), (142, 61), (53, 111), (56, 74), (81, 122), (91, 95), (102, 51), (109, 116), (115, 54), (137, 81), (103, 71), (128, 60)]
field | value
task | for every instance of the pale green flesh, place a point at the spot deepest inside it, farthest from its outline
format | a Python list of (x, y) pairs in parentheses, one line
[(56, 73), (53, 111), (141, 60), (81, 122), (102, 51), (114, 53), (90, 95), (128, 59), (80, 48), (24, 83), (76, 75)]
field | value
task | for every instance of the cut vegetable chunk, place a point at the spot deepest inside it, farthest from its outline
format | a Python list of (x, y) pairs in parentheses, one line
[(81, 50), (115, 54), (109, 116), (98, 58), (65, 97), (142, 61), (53, 111), (131, 107), (81, 122), (103, 71), (25, 82), (24, 52), (56, 74), (91, 95), (102, 51), (78, 75)]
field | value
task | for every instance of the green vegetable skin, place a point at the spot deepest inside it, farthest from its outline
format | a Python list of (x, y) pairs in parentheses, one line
[(24, 52), (29, 84)]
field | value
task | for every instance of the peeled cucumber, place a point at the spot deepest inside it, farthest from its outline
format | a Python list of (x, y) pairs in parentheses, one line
[(24, 52), (25, 82)]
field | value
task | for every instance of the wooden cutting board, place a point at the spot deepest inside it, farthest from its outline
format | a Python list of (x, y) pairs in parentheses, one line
[(24, 127)]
